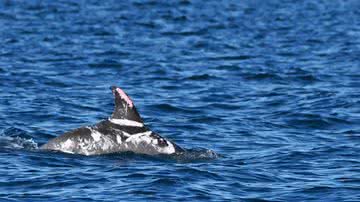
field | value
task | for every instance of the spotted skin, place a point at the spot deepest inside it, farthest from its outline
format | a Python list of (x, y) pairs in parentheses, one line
[(109, 136)]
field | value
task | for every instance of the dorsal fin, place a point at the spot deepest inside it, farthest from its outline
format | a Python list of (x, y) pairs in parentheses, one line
[(124, 106)]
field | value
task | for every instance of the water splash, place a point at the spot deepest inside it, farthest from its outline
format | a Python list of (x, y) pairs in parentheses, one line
[(195, 155), (14, 138)]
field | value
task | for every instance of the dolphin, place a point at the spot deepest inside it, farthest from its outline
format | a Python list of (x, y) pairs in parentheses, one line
[(123, 131)]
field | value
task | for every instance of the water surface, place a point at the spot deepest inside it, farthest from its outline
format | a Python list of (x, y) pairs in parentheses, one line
[(264, 94)]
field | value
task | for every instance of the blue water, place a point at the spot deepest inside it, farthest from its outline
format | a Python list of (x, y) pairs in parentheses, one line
[(265, 95)]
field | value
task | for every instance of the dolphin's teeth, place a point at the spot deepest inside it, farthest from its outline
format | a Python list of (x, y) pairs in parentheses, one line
[(126, 122)]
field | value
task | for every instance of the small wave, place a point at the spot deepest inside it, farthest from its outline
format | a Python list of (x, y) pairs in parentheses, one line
[(172, 108), (232, 57), (106, 64), (185, 33), (200, 77), (195, 155), (14, 138), (262, 76), (188, 156), (17, 143), (205, 119)]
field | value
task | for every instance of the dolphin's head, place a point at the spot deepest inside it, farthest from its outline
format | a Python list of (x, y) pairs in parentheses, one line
[(124, 106)]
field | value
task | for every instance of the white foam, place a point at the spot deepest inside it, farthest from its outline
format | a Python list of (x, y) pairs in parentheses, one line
[(126, 122)]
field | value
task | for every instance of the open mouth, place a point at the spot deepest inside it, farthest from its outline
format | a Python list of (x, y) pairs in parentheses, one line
[(119, 92)]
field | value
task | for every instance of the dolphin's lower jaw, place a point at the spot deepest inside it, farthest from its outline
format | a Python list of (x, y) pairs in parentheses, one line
[(124, 131)]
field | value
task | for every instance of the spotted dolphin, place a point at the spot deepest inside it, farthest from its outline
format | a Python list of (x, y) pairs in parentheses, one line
[(123, 131)]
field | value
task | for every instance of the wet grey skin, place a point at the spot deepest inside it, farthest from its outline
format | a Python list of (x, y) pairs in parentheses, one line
[(123, 131)]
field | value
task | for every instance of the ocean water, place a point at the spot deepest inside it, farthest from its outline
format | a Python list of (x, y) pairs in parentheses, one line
[(264, 95)]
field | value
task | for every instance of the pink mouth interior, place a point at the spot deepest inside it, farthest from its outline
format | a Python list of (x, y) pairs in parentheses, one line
[(125, 97)]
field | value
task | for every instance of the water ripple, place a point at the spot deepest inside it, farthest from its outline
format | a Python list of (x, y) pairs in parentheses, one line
[(262, 95)]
